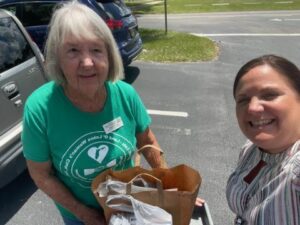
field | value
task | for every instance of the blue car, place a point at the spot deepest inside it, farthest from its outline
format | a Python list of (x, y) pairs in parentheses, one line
[(35, 16)]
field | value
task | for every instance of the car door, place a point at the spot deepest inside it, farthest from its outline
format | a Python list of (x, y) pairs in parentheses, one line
[(21, 72)]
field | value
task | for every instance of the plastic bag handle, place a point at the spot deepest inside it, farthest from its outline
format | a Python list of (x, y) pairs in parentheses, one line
[(137, 160), (159, 185), (122, 202)]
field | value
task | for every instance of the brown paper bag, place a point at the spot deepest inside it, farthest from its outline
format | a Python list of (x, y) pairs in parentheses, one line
[(179, 204)]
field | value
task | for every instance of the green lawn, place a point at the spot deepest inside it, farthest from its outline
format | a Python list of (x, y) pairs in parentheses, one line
[(175, 47), (194, 6)]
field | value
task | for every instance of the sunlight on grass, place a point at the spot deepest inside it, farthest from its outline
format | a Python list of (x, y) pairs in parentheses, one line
[(175, 47), (194, 6)]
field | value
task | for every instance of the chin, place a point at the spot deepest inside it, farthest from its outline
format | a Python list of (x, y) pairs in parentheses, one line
[(269, 146), (263, 140)]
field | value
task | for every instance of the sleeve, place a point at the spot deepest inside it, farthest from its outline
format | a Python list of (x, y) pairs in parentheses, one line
[(34, 136)]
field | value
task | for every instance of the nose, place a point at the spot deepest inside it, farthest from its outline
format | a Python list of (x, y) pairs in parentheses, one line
[(87, 60), (255, 105)]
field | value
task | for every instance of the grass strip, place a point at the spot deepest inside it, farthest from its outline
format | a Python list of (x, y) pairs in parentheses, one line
[(196, 6), (175, 47)]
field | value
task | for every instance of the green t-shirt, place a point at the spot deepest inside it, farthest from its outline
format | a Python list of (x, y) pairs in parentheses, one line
[(76, 141)]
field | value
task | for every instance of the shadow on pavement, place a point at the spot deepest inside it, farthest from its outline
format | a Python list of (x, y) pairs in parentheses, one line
[(14, 196), (131, 74)]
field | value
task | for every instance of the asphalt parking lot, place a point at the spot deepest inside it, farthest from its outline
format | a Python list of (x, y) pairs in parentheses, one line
[(204, 134)]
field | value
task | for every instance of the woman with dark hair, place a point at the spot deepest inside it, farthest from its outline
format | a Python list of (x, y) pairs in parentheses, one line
[(264, 189)]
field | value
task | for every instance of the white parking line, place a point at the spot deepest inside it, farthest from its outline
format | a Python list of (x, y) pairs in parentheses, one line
[(245, 3), (283, 20), (286, 2), (251, 3), (167, 113), (220, 4), (276, 20), (246, 35)]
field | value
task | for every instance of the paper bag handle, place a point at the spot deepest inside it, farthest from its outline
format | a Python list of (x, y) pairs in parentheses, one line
[(137, 160), (159, 185)]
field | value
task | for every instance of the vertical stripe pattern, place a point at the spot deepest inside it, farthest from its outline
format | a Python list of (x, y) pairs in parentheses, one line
[(264, 189)]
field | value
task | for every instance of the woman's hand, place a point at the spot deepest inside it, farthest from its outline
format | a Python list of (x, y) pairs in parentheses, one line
[(199, 202), (90, 216)]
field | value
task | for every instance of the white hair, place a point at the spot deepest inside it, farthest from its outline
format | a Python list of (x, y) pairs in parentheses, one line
[(75, 19)]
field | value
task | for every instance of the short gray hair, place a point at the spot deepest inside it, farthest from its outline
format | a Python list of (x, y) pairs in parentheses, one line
[(76, 19)]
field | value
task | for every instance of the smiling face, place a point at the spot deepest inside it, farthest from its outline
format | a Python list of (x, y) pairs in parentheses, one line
[(267, 109), (84, 64)]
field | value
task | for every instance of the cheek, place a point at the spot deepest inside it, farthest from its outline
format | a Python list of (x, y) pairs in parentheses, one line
[(243, 118), (239, 113), (290, 115), (67, 68), (104, 63), (285, 109), (240, 117)]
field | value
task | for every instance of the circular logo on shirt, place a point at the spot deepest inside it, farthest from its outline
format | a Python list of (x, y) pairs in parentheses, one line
[(93, 153)]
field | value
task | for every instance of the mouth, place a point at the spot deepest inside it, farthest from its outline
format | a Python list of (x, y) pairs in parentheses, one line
[(86, 76), (261, 123)]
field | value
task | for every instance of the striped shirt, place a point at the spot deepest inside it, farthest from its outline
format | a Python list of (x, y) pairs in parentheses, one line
[(264, 189)]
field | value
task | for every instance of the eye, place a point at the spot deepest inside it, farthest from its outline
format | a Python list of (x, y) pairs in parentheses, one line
[(242, 100), (72, 50), (269, 96), (97, 50)]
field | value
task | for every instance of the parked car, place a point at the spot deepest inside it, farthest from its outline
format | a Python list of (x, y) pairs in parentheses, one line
[(21, 72), (36, 14)]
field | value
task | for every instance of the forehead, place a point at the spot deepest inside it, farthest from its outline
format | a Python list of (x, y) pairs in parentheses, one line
[(82, 40), (260, 77)]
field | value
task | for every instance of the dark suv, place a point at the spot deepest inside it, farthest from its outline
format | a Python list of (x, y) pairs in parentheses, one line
[(36, 14), (21, 72)]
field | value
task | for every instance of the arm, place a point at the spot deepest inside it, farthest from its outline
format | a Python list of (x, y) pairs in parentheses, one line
[(153, 157), (45, 179)]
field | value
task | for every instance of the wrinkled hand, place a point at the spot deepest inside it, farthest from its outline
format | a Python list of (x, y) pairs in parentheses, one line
[(199, 202), (90, 216)]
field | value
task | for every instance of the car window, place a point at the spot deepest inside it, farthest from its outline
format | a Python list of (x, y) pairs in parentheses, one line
[(14, 47), (115, 8), (11, 8), (35, 14)]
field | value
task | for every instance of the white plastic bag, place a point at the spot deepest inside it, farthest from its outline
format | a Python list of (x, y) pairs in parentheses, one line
[(122, 219), (138, 213)]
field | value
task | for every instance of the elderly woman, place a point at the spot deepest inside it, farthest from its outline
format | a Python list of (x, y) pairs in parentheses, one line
[(264, 189), (84, 121)]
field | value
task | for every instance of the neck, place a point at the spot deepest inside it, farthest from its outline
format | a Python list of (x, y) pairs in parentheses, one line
[(92, 102)]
